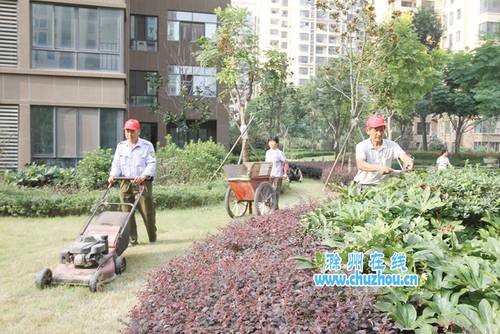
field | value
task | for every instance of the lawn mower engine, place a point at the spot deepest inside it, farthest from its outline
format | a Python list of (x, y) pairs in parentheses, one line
[(86, 252)]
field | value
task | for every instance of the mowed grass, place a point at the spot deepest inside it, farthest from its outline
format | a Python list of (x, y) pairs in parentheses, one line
[(28, 245)]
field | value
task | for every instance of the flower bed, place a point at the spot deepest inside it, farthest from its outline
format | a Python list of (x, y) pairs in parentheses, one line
[(243, 280)]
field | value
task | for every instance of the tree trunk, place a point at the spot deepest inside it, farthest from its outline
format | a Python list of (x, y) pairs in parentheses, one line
[(244, 138), (389, 128), (458, 134), (424, 132)]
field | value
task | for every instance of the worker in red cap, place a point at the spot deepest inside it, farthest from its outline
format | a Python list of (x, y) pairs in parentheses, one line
[(374, 155), (135, 158)]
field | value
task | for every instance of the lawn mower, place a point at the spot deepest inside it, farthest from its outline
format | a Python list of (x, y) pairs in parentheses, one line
[(95, 257)]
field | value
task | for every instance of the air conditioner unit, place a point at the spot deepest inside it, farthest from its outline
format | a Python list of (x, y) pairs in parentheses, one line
[(142, 45)]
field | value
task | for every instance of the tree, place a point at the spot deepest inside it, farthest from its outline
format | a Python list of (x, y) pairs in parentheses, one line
[(234, 51), (268, 108), (428, 27), (402, 70), (429, 31)]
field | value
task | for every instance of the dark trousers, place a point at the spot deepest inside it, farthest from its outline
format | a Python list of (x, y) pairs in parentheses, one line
[(276, 183), (146, 208)]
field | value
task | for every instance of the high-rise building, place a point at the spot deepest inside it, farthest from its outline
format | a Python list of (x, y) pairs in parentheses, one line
[(307, 34)]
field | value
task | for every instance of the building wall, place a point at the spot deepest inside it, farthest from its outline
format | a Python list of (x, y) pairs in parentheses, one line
[(171, 53), (25, 86)]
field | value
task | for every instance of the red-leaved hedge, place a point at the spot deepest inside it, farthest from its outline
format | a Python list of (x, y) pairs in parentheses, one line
[(242, 281)]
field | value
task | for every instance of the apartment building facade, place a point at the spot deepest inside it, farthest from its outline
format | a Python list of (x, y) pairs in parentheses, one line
[(71, 72), (62, 79), (162, 40)]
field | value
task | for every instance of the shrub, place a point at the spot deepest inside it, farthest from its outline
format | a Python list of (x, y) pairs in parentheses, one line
[(448, 225), (44, 202), (321, 169), (240, 281), (41, 175), (194, 163), (92, 171)]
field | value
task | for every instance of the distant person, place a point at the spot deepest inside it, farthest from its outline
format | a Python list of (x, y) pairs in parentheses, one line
[(374, 155), (443, 162), (280, 165)]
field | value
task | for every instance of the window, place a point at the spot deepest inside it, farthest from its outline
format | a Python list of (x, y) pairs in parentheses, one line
[(457, 36), (488, 27), (274, 43), (274, 31), (450, 41), (284, 2), (321, 60), (492, 6), (332, 50), (183, 135), (304, 48), (284, 24), (189, 26), (420, 128), (275, 21), (321, 14), (196, 80), (284, 13), (459, 14), (305, 2), (61, 135), (304, 24), (284, 34), (407, 3), (303, 59), (321, 27), (491, 126), (332, 39), (450, 18), (333, 27), (304, 13), (149, 131), (320, 50), (74, 38), (304, 36), (303, 70), (302, 82), (320, 38), (144, 33), (275, 11), (142, 93), (284, 45)]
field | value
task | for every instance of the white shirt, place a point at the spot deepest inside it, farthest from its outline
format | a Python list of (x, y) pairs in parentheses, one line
[(134, 161), (278, 159), (365, 151), (442, 162)]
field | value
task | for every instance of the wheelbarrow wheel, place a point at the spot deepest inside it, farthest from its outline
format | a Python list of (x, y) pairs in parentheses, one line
[(234, 207), (43, 278), (95, 282), (265, 199), (120, 265)]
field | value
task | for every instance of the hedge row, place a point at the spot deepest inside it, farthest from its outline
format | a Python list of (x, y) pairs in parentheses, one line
[(44, 202)]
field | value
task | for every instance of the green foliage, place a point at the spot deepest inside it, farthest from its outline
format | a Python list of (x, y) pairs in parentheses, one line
[(448, 224), (428, 27), (41, 175), (45, 202), (194, 163), (92, 171)]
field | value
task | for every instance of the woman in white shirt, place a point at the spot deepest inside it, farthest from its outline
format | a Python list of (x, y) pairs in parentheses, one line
[(443, 162), (280, 165)]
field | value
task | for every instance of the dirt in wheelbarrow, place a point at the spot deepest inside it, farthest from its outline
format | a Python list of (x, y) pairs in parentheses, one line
[(62, 309)]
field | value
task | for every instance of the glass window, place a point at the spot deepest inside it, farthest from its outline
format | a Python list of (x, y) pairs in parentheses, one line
[(304, 48), (75, 30), (189, 27), (149, 131), (275, 21), (303, 70), (141, 92), (457, 36), (304, 13), (459, 14), (321, 38), (193, 80), (66, 133), (43, 17), (65, 27), (303, 59), (450, 18), (492, 6), (42, 131), (274, 31), (489, 27), (304, 36), (88, 29), (144, 33)]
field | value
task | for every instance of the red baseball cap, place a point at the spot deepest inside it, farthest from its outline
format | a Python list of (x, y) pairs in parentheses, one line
[(375, 121), (132, 124)]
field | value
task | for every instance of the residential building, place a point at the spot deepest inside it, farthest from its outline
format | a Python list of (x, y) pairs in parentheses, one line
[(62, 79), (163, 38)]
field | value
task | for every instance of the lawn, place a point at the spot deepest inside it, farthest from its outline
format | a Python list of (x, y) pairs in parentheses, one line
[(31, 243)]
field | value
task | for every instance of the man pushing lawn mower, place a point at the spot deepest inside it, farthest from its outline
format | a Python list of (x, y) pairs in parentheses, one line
[(135, 158)]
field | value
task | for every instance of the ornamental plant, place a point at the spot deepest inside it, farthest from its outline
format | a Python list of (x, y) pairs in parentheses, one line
[(447, 223)]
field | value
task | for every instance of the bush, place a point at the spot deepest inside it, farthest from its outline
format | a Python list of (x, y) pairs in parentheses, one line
[(240, 281), (321, 169), (45, 202), (92, 171), (41, 175), (194, 163), (448, 225)]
